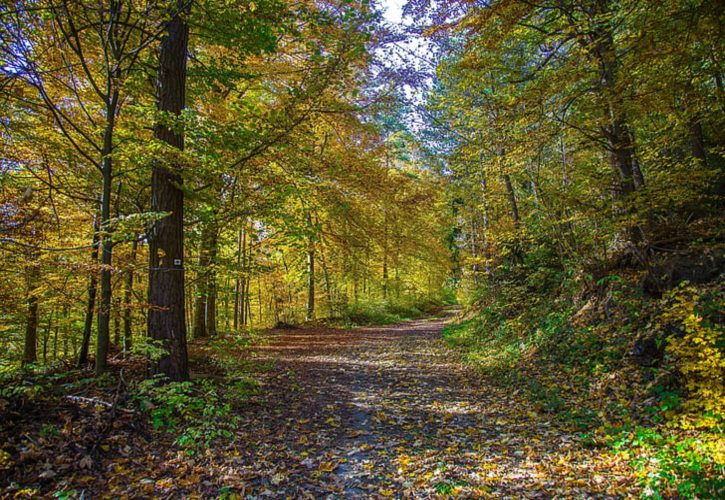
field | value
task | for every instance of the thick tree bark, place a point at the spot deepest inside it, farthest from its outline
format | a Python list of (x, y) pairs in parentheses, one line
[(166, 321), (91, 304)]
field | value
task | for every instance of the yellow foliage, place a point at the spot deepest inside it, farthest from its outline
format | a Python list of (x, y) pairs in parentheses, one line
[(697, 353)]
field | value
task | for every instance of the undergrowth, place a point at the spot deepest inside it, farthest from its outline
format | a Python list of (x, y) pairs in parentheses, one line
[(374, 312), (639, 376)]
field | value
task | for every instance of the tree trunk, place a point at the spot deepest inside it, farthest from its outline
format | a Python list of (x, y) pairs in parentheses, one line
[(243, 280), (617, 131), (310, 284), (486, 226), (328, 283), (511, 195), (697, 141), (238, 280), (104, 307), (91, 304), (56, 328), (474, 249), (117, 322), (128, 297), (166, 321), (211, 285), (385, 257), (201, 300), (32, 276), (46, 337)]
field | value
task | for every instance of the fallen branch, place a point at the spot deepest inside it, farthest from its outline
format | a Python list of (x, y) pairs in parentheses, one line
[(99, 402), (81, 399)]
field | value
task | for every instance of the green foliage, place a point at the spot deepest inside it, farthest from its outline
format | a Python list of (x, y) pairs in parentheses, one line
[(14, 384), (151, 349), (195, 412), (374, 312), (669, 464)]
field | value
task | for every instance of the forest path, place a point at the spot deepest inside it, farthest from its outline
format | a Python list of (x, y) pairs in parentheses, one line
[(390, 412)]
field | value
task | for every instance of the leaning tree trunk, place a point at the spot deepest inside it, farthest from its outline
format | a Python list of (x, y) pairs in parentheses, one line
[(166, 322)]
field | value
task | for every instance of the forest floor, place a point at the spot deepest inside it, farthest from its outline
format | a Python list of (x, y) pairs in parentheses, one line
[(363, 413), (389, 411)]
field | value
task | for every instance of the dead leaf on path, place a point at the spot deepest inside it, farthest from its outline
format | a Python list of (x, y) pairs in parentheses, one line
[(327, 466)]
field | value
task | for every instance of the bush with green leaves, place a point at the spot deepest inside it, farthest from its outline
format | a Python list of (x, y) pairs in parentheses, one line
[(196, 411), (669, 465)]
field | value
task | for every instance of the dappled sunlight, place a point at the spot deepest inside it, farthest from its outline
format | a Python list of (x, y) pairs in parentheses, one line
[(393, 413)]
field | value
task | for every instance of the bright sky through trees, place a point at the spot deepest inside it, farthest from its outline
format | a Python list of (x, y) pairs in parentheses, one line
[(393, 10)]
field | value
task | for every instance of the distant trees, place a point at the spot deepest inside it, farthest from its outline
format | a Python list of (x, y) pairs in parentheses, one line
[(228, 145)]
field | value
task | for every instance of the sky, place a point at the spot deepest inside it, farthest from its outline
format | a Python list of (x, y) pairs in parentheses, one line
[(393, 9)]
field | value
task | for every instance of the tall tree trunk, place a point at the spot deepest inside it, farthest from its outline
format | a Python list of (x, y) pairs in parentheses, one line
[(56, 328), (104, 307), (238, 280), (201, 300), (46, 336), (310, 283), (618, 133), (117, 322), (32, 276), (259, 297), (211, 287), (243, 280), (166, 321), (328, 283), (248, 306), (474, 249), (128, 297), (91, 304)]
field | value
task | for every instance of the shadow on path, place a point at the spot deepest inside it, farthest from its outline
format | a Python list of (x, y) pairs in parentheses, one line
[(389, 411)]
